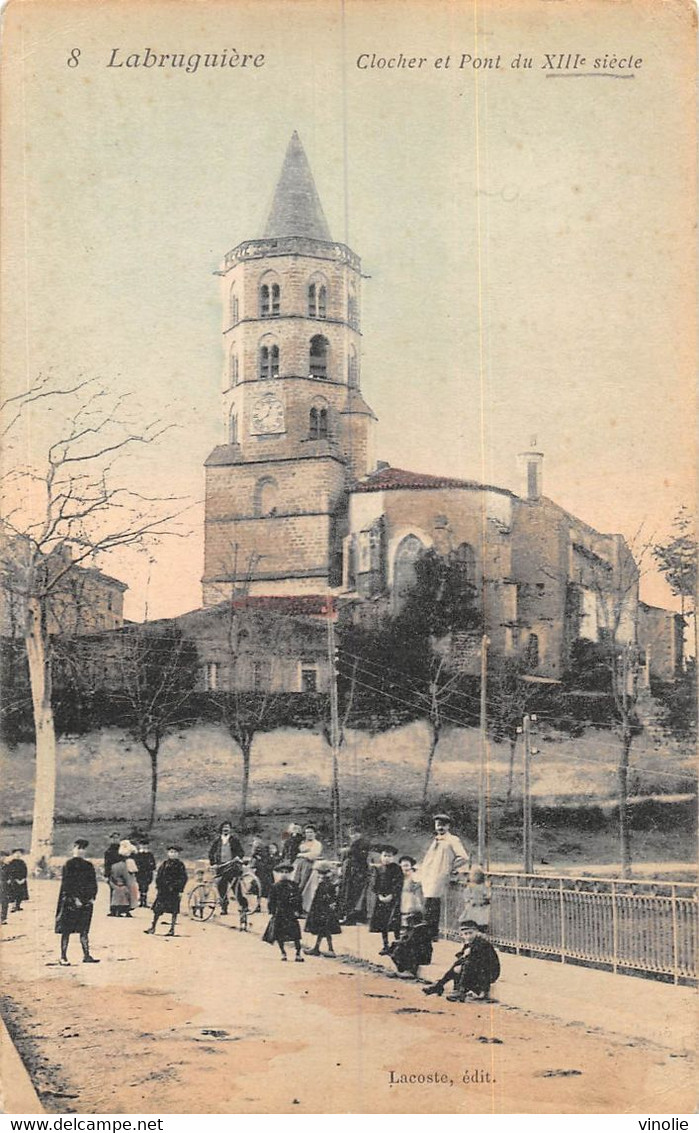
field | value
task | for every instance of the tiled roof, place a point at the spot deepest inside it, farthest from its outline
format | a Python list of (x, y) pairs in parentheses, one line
[(301, 604), (390, 479), (296, 208)]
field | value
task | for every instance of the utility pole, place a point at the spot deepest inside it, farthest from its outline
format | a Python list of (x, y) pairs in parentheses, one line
[(482, 770), (334, 728), (527, 796)]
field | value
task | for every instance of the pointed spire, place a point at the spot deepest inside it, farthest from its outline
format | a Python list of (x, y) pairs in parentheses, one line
[(296, 209)]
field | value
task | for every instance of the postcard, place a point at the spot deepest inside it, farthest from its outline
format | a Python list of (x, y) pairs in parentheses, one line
[(348, 557)]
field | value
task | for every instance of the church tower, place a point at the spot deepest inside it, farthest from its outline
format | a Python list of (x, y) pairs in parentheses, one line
[(297, 429)]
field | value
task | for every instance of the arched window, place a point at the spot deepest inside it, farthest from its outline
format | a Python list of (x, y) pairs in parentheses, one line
[(234, 369), (269, 299), (317, 300), (352, 309), (318, 423), (233, 307), (269, 362), (532, 651), (233, 428), (352, 368), (266, 494), (404, 574), (318, 356)]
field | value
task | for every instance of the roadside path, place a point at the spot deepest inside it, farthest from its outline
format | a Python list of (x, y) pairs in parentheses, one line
[(212, 1022)]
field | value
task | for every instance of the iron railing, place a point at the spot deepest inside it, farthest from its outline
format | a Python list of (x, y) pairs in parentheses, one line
[(648, 927)]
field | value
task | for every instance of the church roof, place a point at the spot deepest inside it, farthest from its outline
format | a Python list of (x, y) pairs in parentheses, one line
[(296, 209), (391, 479)]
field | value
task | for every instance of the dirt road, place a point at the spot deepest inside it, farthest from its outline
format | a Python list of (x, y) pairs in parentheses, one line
[(211, 1022)]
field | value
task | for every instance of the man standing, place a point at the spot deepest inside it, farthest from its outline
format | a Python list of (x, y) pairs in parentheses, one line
[(354, 878), (75, 902), (224, 851), (444, 855)]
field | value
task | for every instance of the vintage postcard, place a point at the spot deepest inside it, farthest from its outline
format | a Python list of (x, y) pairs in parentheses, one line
[(348, 558)]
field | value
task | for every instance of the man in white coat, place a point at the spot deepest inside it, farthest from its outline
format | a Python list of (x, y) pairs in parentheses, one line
[(445, 855)]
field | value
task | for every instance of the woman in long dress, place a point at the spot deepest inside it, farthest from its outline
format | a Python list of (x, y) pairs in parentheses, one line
[(308, 852)]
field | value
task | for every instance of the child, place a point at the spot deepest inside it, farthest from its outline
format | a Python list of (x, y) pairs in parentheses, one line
[(475, 967), (387, 884), (322, 916), (16, 871), (415, 945), (170, 881), (145, 868), (285, 908), (476, 900), (4, 886)]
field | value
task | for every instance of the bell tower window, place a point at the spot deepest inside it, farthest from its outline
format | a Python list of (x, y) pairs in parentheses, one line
[(233, 429), (352, 368), (270, 300), (317, 300), (317, 424), (266, 496), (269, 362), (318, 357), (234, 308)]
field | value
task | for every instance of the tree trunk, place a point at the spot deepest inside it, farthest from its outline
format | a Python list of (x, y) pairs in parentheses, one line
[(510, 773), (45, 774), (153, 753), (245, 748), (623, 777), (428, 769)]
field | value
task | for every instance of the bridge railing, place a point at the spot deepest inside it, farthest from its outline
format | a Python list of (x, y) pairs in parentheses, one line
[(646, 927)]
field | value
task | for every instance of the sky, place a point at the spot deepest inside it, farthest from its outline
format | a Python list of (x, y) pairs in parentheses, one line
[(526, 236)]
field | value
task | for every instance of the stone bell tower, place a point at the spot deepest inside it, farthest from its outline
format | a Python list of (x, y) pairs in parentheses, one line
[(297, 430)]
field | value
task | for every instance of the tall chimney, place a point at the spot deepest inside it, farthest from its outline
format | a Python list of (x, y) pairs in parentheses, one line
[(532, 463)]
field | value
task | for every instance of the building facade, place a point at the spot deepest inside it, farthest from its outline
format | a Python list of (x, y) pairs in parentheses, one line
[(296, 504)]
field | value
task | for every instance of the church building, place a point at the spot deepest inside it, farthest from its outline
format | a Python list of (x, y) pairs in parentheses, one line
[(297, 506)]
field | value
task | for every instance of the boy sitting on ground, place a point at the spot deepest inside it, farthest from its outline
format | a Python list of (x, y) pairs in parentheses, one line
[(475, 967)]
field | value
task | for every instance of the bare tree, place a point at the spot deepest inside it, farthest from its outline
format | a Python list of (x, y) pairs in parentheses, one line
[(64, 509)]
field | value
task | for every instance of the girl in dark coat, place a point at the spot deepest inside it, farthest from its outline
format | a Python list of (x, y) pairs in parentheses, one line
[(322, 917), (387, 884), (17, 880), (75, 902), (284, 903), (261, 864), (415, 945), (475, 967), (170, 881)]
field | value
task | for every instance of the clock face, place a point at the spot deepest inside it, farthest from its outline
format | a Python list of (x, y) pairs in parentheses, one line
[(267, 415)]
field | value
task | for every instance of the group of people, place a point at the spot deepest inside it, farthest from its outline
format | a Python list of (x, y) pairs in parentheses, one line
[(13, 882), (371, 883)]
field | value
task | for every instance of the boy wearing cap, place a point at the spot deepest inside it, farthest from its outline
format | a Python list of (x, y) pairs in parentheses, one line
[(387, 884), (322, 919), (284, 904), (170, 881), (145, 868), (444, 855), (75, 902), (475, 967)]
